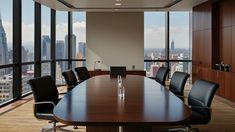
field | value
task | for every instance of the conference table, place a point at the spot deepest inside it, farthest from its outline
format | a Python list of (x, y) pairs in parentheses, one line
[(95, 103)]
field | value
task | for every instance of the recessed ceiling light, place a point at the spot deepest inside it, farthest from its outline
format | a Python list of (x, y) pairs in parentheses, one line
[(118, 4), (118, 0)]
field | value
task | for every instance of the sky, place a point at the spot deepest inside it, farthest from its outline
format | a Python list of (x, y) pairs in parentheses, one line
[(154, 24)]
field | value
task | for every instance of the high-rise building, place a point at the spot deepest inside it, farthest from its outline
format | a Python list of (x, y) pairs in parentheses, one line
[(60, 52), (46, 43), (82, 52), (73, 47), (82, 49), (3, 48), (172, 45), (6, 93)]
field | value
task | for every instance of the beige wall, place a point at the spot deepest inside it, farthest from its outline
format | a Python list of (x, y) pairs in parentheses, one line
[(115, 39)]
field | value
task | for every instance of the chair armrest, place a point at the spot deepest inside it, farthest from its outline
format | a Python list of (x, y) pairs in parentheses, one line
[(45, 102), (199, 107), (152, 78), (181, 97)]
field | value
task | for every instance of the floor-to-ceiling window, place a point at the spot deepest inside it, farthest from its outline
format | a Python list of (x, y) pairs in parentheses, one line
[(78, 42), (6, 52), (179, 42), (61, 44), (154, 41), (27, 49), (45, 41), (27, 61), (161, 28)]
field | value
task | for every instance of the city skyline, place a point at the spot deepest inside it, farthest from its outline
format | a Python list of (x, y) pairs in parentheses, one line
[(154, 24)]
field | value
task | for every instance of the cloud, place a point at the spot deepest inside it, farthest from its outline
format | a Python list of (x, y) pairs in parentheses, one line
[(154, 37), (27, 34), (79, 29), (8, 29)]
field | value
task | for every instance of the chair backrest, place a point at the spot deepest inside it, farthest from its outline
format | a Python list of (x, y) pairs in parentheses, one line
[(117, 70), (70, 78), (178, 82), (44, 89), (202, 93), (162, 74), (83, 73)]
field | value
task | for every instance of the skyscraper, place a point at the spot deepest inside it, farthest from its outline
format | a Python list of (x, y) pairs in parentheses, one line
[(46, 43), (60, 51), (172, 45), (82, 49), (73, 47), (3, 47)]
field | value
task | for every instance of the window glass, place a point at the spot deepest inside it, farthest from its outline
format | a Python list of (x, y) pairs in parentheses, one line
[(46, 38), (154, 40), (6, 32), (79, 39), (181, 66), (6, 85), (46, 69), (152, 68), (27, 73), (61, 44), (180, 48), (27, 50)]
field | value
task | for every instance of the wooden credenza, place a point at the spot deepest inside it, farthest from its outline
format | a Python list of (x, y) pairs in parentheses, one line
[(105, 72)]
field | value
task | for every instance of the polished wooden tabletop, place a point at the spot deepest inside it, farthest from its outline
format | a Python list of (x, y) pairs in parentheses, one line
[(96, 102)]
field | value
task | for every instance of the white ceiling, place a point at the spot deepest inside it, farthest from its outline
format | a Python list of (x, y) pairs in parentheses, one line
[(126, 5)]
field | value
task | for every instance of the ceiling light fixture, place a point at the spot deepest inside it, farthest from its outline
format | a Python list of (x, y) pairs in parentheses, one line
[(118, 0), (118, 4)]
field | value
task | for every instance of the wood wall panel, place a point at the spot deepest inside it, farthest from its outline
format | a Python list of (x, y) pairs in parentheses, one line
[(195, 47), (202, 16), (222, 32), (232, 66), (233, 12), (225, 13), (227, 85), (206, 48), (233, 87), (226, 45)]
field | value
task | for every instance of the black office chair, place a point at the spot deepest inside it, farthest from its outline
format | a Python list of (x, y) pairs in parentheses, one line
[(117, 70), (70, 79), (46, 97), (199, 100), (161, 75), (177, 83), (83, 73)]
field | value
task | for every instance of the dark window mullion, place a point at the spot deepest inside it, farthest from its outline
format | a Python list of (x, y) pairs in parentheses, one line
[(53, 35), (167, 36), (17, 44), (37, 39), (70, 32)]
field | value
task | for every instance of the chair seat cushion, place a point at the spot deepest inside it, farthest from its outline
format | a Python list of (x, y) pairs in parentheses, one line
[(46, 114), (199, 118)]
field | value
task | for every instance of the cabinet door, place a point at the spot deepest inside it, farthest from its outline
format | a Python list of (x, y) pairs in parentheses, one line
[(219, 78), (227, 85), (233, 86)]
